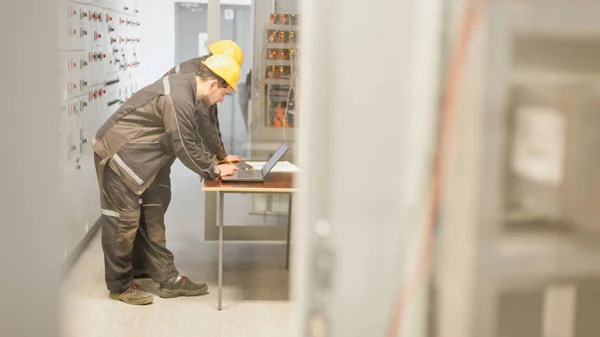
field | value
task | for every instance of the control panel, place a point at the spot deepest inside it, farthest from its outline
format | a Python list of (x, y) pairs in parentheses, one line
[(98, 66)]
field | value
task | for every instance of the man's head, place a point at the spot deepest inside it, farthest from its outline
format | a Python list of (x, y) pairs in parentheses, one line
[(227, 47), (218, 76)]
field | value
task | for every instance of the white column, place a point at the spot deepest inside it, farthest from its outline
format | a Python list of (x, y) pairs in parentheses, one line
[(369, 86), (214, 20), (31, 196)]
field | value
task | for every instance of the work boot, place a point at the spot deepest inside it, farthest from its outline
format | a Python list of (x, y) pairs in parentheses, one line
[(133, 295), (182, 287)]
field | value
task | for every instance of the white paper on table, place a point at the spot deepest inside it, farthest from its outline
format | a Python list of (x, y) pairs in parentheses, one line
[(282, 166)]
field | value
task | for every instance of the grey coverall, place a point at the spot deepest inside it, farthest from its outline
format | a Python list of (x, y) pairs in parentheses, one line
[(136, 144), (211, 135), (213, 130)]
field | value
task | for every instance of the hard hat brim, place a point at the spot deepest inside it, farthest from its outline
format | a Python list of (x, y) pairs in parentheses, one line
[(216, 72)]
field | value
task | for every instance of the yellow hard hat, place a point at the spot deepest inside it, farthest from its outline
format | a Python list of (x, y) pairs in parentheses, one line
[(227, 47), (225, 67)]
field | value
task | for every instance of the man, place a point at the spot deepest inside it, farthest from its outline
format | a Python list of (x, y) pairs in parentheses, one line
[(160, 193), (157, 124), (225, 47)]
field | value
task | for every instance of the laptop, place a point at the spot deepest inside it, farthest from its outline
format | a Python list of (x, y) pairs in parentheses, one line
[(259, 175)]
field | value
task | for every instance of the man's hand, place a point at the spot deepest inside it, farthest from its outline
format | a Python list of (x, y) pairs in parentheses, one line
[(232, 158), (227, 169)]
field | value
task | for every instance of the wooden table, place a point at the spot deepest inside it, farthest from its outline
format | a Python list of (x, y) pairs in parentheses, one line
[(275, 182)]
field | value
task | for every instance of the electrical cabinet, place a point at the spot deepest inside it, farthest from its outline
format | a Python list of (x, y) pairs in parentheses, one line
[(277, 66), (274, 108), (98, 71)]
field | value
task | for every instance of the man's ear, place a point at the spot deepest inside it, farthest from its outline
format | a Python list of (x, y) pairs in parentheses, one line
[(213, 83)]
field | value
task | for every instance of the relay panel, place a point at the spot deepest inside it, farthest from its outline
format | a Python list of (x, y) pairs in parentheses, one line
[(98, 67)]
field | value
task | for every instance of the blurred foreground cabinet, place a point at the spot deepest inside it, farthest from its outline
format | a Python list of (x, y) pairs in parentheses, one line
[(553, 161), (520, 239)]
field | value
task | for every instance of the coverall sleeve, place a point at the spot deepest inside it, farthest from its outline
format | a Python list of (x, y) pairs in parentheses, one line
[(180, 124), (217, 139), (208, 131)]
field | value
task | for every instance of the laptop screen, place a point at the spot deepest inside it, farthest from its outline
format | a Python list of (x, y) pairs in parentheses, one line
[(275, 158)]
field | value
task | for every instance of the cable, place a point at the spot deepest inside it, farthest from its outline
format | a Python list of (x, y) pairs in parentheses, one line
[(447, 120), (292, 46)]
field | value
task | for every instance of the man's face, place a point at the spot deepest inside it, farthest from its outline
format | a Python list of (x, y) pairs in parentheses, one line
[(216, 93)]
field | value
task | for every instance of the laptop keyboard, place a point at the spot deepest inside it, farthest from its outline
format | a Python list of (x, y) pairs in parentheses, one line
[(249, 174)]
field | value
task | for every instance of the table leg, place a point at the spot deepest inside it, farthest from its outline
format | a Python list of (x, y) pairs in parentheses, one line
[(220, 217), (289, 233), (211, 224)]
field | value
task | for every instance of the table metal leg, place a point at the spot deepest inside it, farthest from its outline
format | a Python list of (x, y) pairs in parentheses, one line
[(289, 233), (220, 215)]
